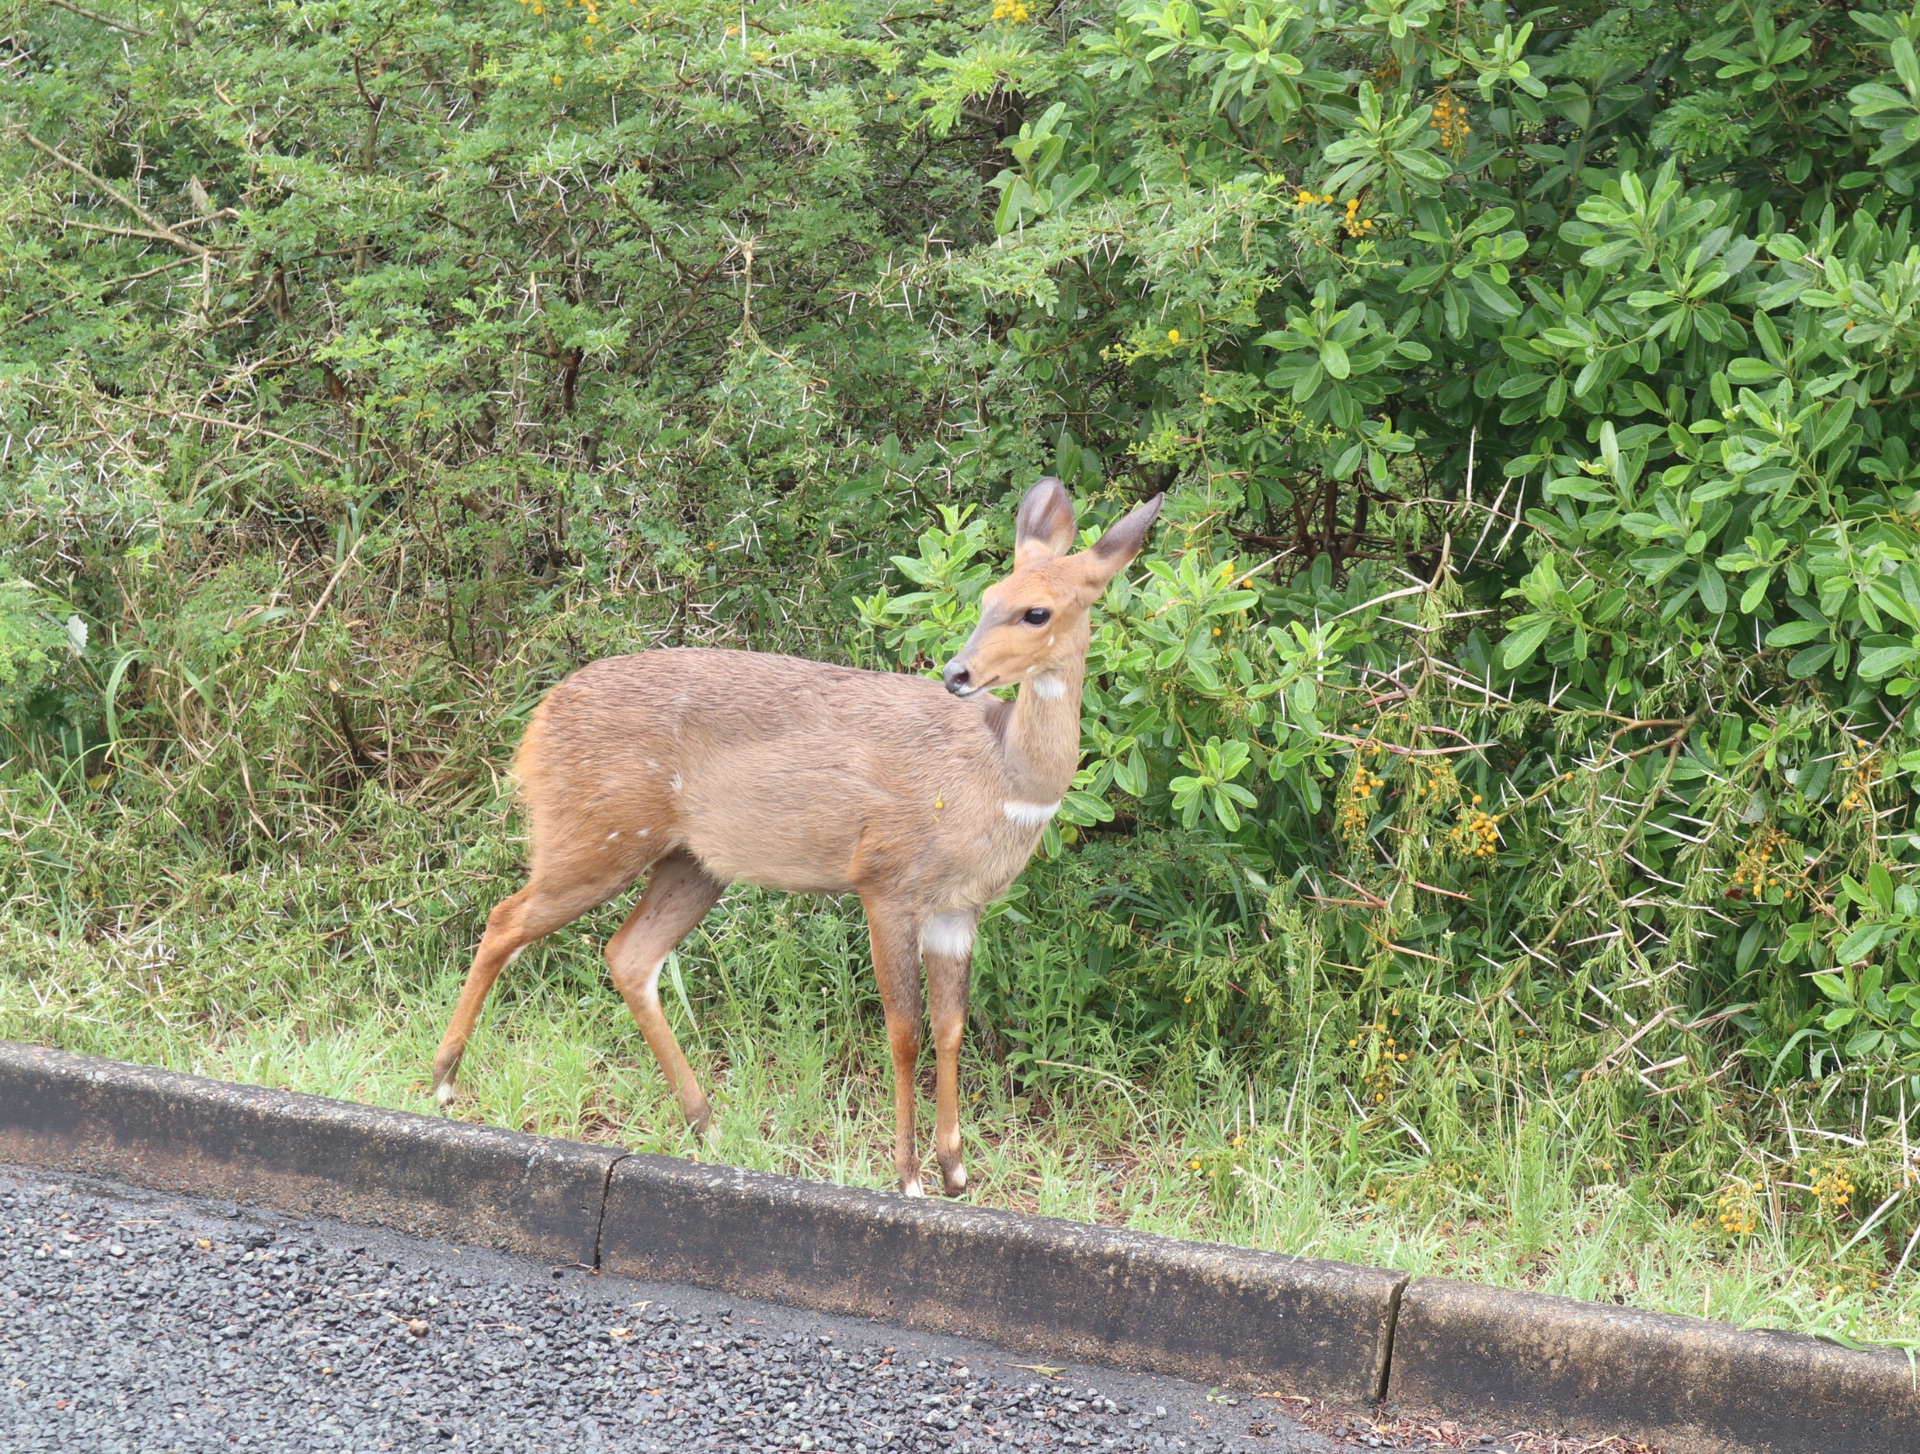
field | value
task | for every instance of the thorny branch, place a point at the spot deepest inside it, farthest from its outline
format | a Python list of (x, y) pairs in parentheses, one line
[(159, 230)]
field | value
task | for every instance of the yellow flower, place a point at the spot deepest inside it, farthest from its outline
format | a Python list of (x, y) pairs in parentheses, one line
[(1173, 335), (1450, 120), (1475, 834)]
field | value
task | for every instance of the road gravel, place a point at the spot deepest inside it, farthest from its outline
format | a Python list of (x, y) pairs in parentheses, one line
[(137, 1322)]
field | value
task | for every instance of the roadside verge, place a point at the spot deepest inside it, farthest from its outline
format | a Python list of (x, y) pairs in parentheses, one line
[(1067, 1290), (1153, 1304), (1696, 1386), (420, 1174), (1199, 1310)]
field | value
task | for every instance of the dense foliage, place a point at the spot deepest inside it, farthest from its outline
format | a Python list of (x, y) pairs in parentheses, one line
[(1513, 710)]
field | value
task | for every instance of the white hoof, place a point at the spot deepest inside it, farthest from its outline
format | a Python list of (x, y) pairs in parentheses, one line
[(955, 1182), (912, 1188)]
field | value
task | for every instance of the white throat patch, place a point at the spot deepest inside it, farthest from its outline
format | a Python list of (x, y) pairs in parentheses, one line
[(1029, 815), (1049, 687)]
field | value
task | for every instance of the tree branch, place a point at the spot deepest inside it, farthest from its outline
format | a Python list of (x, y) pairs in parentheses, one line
[(106, 287), (142, 232), (161, 232), (235, 424), (103, 20)]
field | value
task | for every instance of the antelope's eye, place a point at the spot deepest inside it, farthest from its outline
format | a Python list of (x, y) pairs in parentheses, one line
[(1038, 616)]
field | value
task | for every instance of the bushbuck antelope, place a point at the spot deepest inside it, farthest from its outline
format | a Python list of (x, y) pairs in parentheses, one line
[(719, 767)]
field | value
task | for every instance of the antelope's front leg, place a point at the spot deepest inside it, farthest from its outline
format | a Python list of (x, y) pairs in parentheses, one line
[(896, 964), (947, 942)]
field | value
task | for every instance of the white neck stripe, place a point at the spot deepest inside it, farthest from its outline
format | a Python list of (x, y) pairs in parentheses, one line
[(1029, 815)]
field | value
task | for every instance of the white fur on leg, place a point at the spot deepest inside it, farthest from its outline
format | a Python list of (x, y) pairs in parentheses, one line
[(911, 1187), (443, 1093), (948, 935)]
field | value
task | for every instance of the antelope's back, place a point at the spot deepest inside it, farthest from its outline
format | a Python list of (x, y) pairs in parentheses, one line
[(770, 769)]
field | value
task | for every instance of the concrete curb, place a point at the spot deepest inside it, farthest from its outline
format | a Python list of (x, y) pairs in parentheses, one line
[(1063, 1289), (1694, 1385), (77, 1113)]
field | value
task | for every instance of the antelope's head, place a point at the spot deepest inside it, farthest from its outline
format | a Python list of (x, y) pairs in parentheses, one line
[(1033, 625)]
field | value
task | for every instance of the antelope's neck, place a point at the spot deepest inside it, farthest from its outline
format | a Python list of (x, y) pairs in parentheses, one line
[(1043, 736)]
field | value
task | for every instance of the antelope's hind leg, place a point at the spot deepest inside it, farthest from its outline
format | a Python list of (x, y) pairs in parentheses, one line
[(678, 896), (572, 873), (547, 903), (896, 964)]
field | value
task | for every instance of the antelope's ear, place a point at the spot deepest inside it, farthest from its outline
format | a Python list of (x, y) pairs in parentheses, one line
[(1045, 522), (1112, 552)]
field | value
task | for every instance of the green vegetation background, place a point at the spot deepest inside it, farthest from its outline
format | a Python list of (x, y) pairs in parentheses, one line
[(1495, 848)]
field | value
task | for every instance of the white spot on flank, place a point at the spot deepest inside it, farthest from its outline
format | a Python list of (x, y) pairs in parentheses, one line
[(1050, 687), (652, 763), (612, 836), (676, 784), (947, 935), (1029, 815), (644, 832)]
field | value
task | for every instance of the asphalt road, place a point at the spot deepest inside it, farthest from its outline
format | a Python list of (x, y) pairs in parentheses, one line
[(136, 1322)]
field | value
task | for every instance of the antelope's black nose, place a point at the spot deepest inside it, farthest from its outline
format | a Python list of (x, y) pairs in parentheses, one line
[(957, 678)]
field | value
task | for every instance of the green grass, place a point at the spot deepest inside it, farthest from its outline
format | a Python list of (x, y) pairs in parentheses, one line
[(336, 976)]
